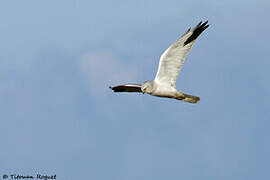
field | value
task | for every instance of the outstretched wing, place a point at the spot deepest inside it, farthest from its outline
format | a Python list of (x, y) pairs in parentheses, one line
[(173, 58), (127, 88)]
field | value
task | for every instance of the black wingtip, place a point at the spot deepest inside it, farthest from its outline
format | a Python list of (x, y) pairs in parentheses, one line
[(197, 31), (112, 88), (204, 23), (188, 30)]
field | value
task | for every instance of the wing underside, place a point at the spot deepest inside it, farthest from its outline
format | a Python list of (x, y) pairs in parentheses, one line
[(127, 88), (173, 58)]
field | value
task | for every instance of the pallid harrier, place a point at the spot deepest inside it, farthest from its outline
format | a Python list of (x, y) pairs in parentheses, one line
[(170, 64)]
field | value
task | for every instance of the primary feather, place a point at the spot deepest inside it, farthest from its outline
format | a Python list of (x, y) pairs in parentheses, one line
[(127, 88), (173, 58)]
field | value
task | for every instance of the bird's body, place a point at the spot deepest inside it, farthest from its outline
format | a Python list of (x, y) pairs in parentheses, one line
[(170, 64), (160, 90)]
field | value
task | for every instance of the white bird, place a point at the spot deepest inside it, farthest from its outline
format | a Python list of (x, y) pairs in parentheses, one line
[(170, 64)]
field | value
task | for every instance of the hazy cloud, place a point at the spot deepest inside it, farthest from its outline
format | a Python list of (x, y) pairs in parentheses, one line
[(101, 70)]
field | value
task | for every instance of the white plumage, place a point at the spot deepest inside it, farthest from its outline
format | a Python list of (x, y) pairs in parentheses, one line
[(170, 64)]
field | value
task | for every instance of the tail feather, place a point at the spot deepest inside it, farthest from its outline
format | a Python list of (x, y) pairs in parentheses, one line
[(187, 98)]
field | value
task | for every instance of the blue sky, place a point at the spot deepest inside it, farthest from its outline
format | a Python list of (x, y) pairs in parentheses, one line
[(57, 59)]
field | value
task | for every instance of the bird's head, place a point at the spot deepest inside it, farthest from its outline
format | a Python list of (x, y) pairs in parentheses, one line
[(146, 87)]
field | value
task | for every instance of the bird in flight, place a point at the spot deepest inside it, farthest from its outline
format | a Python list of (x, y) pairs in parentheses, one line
[(170, 64)]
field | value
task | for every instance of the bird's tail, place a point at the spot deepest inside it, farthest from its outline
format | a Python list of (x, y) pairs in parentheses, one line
[(187, 98)]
